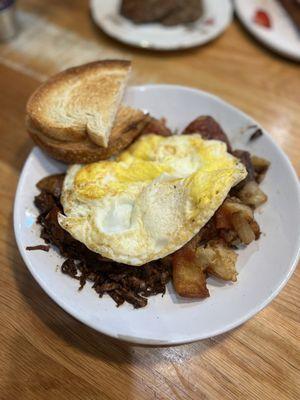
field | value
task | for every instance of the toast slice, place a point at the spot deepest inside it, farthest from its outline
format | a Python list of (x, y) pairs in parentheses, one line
[(81, 101), (129, 124)]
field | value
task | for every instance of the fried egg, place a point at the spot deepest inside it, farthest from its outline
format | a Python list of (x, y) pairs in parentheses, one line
[(151, 200)]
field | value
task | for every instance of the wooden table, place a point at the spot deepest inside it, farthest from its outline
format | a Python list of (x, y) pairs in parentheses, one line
[(44, 352)]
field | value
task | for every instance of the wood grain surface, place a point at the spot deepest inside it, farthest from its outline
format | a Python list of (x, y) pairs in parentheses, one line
[(44, 352)]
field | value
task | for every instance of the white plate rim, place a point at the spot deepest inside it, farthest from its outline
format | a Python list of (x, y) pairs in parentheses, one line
[(292, 265), (265, 41), (155, 46)]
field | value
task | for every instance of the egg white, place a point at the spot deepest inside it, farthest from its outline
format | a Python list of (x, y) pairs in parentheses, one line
[(151, 200)]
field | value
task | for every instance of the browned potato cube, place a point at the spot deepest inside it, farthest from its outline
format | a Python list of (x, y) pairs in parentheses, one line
[(252, 195), (188, 278), (218, 260)]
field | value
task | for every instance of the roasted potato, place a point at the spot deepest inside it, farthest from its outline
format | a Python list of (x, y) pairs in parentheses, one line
[(261, 166), (242, 227), (252, 195), (218, 260), (237, 217), (188, 277)]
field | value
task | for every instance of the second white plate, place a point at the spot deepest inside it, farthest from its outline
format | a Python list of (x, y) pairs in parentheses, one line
[(282, 37), (217, 16)]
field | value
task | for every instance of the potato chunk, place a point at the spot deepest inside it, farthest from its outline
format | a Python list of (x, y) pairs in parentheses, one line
[(218, 260), (188, 277)]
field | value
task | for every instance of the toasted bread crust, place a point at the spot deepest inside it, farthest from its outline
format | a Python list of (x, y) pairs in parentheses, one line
[(85, 151), (40, 113)]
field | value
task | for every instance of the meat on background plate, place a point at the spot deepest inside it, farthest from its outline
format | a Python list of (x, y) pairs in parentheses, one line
[(167, 12)]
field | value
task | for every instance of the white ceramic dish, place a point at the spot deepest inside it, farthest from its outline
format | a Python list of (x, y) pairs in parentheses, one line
[(282, 37), (264, 267), (217, 16)]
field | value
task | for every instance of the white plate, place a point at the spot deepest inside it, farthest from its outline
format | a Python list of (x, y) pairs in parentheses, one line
[(157, 37), (264, 267), (282, 37)]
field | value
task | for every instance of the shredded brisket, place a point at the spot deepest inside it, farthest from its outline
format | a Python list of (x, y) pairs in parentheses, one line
[(123, 283), (38, 247)]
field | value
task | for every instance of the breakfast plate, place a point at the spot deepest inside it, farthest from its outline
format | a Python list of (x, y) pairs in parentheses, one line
[(264, 266), (216, 18), (273, 27)]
